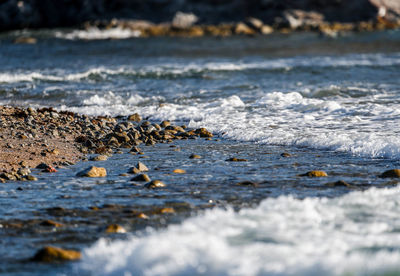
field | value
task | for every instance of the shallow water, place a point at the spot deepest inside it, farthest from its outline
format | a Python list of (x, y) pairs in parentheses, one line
[(333, 104)]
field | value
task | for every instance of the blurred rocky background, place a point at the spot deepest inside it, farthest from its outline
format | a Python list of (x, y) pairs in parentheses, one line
[(17, 14)]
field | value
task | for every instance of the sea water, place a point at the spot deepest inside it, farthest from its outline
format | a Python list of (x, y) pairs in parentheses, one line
[(333, 103)]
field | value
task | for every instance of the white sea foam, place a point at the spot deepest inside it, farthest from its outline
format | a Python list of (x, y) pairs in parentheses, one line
[(58, 76), (356, 234), (97, 34), (360, 126), (178, 69)]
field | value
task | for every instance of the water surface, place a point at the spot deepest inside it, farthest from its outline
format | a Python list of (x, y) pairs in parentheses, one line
[(332, 104)]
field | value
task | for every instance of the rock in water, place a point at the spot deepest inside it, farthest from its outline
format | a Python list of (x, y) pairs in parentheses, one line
[(195, 156), (135, 117), (203, 132), (115, 228), (180, 171), (99, 158), (50, 223), (142, 167), (234, 159), (93, 172), (141, 177), (395, 173), (315, 174), (55, 254), (155, 184)]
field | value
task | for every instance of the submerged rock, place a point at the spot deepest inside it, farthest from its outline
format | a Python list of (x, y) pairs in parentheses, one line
[(340, 183), (140, 167), (50, 223), (25, 40), (195, 156), (141, 177), (166, 210), (99, 158), (234, 159), (115, 228), (315, 174), (31, 178), (55, 254), (179, 171), (395, 173), (247, 183), (155, 184), (93, 172)]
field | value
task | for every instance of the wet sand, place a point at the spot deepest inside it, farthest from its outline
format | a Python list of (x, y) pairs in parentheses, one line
[(35, 138)]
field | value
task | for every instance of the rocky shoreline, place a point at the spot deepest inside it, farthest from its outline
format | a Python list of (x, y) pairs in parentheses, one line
[(249, 27), (215, 18), (48, 139)]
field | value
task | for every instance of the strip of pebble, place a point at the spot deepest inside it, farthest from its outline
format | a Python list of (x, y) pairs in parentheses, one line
[(48, 139)]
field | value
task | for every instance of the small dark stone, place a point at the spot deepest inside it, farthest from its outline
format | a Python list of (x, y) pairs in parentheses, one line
[(135, 117), (395, 173), (234, 159), (155, 184), (42, 166), (247, 183), (340, 183)]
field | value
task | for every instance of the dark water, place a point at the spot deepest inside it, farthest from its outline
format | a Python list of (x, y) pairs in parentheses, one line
[(332, 104)]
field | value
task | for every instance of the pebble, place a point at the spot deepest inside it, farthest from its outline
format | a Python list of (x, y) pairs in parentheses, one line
[(247, 183), (179, 171), (164, 124), (141, 177), (50, 223), (100, 157), (24, 171), (55, 254), (315, 174), (340, 183), (31, 178), (8, 176), (135, 117), (135, 149), (234, 159), (115, 228), (167, 210), (49, 169), (194, 156), (155, 184), (93, 172), (142, 167), (142, 216), (202, 132), (395, 173)]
